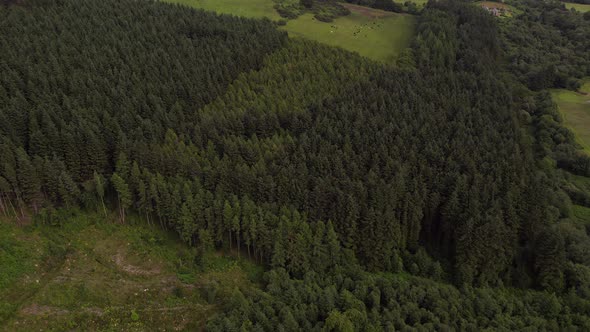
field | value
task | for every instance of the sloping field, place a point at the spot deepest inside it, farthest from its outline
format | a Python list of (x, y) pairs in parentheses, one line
[(578, 6), (375, 34), (575, 107), (97, 275)]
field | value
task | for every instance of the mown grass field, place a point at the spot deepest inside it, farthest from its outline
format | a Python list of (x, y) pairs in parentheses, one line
[(95, 275), (575, 107), (372, 33), (578, 6)]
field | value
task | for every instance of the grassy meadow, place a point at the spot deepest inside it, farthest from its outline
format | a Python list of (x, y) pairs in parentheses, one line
[(92, 274), (378, 38), (581, 215), (575, 107), (372, 33), (577, 6)]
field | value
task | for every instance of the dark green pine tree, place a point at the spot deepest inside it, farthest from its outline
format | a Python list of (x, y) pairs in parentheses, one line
[(123, 166), (279, 255), (123, 194), (333, 246), (68, 189), (228, 218), (28, 181), (100, 185), (319, 251), (186, 225)]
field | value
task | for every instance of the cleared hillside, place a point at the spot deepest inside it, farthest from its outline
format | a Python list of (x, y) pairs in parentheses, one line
[(92, 273)]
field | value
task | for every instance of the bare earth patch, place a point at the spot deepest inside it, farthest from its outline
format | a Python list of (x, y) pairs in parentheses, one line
[(42, 310), (133, 269)]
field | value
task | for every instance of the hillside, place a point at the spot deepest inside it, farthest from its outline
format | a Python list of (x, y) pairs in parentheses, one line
[(376, 34), (91, 273), (168, 168)]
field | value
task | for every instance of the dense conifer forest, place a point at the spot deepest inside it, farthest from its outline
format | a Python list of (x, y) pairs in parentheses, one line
[(433, 195)]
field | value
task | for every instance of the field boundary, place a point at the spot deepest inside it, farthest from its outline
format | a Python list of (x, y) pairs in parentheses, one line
[(367, 11)]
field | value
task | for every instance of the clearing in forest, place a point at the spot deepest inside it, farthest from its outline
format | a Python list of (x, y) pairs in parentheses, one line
[(373, 33), (575, 107), (90, 274), (380, 38), (577, 6)]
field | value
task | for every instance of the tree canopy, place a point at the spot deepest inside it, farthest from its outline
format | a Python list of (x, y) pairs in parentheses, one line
[(336, 173)]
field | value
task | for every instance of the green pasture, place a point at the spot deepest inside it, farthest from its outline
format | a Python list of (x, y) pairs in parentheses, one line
[(575, 107), (577, 6), (380, 39)]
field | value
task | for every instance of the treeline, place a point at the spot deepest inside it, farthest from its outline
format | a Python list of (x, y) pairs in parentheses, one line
[(546, 47), (323, 10), (587, 2), (388, 5)]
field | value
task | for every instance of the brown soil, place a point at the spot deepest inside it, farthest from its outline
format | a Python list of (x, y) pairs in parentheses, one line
[(42, 310), (133, 269)]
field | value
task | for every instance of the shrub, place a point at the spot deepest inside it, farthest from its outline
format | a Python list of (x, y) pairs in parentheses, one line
[(306, 3), (134, 316), (324, 17), (289, 13)]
